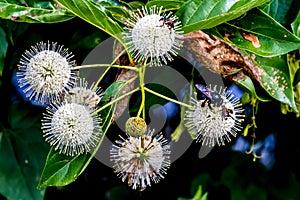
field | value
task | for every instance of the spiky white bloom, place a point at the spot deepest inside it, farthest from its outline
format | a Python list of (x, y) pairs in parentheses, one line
[(84, 95), (141, 160), (153, 35), (45, 72), (73, 128), (211, 124)]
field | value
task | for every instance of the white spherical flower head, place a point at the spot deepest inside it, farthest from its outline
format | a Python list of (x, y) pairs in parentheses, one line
[(141, 160), (153, 35), (84, 95), (72, 128), (45, 72), (213, 122)]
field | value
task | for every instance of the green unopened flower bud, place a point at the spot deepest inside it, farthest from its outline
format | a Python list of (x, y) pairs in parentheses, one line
[(136, 126)]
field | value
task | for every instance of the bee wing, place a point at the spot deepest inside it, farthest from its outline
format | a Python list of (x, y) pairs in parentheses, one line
[(200, 87)]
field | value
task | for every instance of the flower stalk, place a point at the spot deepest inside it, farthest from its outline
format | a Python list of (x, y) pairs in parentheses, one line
[(167, 98), (142, 88)]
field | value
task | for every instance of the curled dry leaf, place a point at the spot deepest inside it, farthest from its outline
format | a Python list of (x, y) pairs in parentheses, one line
[(251, 38), (221, 57), (123, 74)]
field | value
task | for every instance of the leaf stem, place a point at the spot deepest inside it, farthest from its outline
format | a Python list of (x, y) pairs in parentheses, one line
[(104, 65), (116, 100), (105, 130), (167, 98), (108, 68), (142, 88)]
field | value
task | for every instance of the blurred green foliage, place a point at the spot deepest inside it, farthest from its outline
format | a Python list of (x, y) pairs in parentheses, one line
[(81, 26)]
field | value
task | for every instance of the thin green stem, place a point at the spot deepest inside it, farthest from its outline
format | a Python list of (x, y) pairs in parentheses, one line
[(167, 98), (103, 107), (108, 68), (143, 92), (104, 65), (251, 150), (142, 88), (116, 100), (94, 151)]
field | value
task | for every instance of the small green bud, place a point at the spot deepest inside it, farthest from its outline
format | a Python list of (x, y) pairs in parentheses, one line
[(284, 108), (246, 98), (246, 130), (136, 126)]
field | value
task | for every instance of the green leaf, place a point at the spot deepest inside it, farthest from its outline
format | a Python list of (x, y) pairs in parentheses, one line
[(197, 196), (273, 38), (60, 169), (276, 80), (20, 118), (181, 127), (117, 10), (22, 151), (134, 4), (296, 25), (297, 77), (279, 10), (111, 91), (205, 14), (94, 15), (294, 64), (21, 13), (166, 4), (118, 192), (119, 13), (10, 172), (3, 49), (87, 41), (248, 86)]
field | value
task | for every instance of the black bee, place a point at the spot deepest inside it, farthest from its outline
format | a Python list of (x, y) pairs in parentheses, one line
[(226, 112), (211, 97), (169, 22)]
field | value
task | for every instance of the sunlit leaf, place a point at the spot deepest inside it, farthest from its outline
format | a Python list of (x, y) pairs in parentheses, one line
[(21, 13), (135, 4), (205, 14), (273, 38), (61, 170), (166, 4), (93, 14), (275, 79), (117, 10), (247, 85), (119, 13), (110, 92)]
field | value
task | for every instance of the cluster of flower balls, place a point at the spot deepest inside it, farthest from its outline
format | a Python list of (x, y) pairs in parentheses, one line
[(46, 74)]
